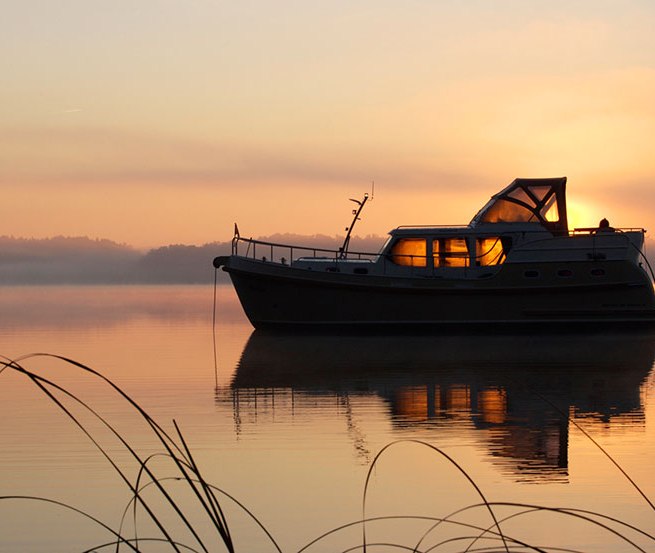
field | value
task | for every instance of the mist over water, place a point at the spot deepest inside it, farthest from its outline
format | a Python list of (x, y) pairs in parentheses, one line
[(81, 260), (290, 424)]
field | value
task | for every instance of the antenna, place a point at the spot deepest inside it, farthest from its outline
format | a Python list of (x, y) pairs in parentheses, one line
[(343, 250)]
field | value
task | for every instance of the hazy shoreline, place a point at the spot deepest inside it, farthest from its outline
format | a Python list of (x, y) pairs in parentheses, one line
[(83, 260)]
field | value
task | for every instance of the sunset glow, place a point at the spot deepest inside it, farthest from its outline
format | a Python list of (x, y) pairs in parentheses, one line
[(165, 122)]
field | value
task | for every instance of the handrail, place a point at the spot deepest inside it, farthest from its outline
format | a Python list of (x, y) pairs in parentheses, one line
[(596, 230), (270, 246)]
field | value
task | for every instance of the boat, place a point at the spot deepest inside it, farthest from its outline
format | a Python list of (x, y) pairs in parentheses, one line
[(515, 264)]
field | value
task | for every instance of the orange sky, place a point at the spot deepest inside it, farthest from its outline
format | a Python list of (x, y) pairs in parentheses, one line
[(165, 121)]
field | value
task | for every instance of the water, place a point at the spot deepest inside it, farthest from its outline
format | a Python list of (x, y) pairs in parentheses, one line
[(290, 425)]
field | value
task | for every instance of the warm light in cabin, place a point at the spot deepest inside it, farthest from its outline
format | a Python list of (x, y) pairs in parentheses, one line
[(450, 252), (409, 252), (550, 211), (523, 205), (503, 211), (489, 251)]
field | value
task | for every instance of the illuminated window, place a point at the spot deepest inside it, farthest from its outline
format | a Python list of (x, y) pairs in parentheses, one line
[(489, 251), (503, 211), (522, 196), (549, 210), (409, 252), (540, 192), (450, 252)]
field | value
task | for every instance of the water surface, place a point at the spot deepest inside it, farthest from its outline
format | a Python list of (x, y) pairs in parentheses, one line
[(290, 424)]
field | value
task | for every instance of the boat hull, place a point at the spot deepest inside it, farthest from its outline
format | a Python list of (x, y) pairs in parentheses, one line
[(275, 296)]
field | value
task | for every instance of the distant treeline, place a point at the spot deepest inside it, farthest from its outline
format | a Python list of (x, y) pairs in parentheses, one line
[(82, 260)]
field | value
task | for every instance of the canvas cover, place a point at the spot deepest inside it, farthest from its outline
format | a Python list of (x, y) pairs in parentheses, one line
[(541, 201)]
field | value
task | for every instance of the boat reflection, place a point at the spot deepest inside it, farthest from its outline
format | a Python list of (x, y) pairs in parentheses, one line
[(517, 395)]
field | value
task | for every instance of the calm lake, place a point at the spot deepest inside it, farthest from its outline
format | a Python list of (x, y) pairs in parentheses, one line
[(289, 426)]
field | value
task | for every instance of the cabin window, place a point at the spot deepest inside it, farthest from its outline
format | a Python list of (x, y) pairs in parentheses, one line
[(409, 252), (540, 192), (489, 251), (531, 274), (503, 211), (549, 211), (521, 195), (450, 252)]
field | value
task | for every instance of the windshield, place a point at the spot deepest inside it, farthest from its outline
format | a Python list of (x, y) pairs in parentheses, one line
[(529, 201)]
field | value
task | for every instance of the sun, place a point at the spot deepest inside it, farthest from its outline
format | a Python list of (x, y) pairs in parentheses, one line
[(582, 214)]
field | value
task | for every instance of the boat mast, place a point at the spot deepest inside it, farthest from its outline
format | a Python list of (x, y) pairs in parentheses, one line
[(343, 250)]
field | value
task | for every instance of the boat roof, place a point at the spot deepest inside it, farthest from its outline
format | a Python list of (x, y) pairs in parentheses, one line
[(541, 201), (484, 229)]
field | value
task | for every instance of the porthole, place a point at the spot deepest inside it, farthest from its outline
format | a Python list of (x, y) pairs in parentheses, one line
[(597, 272), (565, 273), (531, 274)]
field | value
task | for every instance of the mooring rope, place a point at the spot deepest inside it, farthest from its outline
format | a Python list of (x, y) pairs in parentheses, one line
[(214, 327)]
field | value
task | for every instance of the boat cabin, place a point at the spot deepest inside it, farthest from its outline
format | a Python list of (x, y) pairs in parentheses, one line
[(526, 210)]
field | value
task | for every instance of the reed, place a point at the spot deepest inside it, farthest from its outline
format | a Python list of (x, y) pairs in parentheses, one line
[(153, 490), (174, 449)]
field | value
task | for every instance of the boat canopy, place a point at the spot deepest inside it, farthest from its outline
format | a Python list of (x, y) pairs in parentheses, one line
[(540, 201)]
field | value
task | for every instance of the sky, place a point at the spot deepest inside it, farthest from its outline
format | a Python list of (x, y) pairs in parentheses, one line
[(151, 122)]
